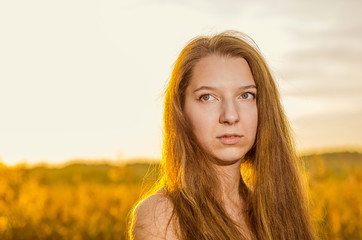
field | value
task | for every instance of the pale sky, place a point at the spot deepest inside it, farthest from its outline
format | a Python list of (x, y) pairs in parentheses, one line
[(84, 79)]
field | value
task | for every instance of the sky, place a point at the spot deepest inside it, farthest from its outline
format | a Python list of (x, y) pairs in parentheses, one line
[(85, 79)]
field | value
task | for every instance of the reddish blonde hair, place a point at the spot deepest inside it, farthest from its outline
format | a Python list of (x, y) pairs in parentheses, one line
[(276, 206)]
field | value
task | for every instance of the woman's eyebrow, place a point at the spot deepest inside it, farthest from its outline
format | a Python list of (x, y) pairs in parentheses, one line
[(247, 87), (214, 88), (205, 88)]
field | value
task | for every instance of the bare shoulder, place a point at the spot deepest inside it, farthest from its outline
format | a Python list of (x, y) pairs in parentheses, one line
[(152, 218)]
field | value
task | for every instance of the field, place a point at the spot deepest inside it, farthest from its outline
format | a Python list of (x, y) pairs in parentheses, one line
[(92, 201)]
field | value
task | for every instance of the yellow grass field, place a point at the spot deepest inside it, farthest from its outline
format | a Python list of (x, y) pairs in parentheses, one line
[(92, 201)]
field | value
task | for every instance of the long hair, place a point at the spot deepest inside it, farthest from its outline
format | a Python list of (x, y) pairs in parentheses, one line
[(276, 206)]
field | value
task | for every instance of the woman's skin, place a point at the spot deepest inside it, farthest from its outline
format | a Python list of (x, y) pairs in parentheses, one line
[(220, 103)]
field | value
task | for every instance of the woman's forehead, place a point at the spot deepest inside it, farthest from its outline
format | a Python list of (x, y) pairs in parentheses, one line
[(221, 72)]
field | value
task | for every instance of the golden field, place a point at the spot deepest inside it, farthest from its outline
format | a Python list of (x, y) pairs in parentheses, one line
[(92, 201)]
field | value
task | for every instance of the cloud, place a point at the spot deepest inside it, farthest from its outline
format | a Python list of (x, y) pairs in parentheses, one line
[(326, 58), (334, 129)]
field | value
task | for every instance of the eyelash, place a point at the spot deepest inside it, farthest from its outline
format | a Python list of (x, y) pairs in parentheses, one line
[(252, 94), (208, 94), (203, 95)]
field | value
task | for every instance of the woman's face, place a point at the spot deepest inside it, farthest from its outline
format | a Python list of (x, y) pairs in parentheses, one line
[(220, 103)]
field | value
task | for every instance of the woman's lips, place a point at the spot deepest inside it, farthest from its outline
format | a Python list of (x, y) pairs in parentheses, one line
[(229, 139)]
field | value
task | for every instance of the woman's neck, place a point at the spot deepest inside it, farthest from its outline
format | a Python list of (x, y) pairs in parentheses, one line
[(231, 200), (229, 177)]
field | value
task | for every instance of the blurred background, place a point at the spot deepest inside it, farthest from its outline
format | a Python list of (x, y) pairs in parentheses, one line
[(81, 94)]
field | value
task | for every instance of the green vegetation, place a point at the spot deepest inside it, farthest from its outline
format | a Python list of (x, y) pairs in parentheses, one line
[(98, 173), (92, 201)]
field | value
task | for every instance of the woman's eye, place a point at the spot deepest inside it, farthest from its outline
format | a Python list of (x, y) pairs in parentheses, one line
[(247, 95), (206, 98)]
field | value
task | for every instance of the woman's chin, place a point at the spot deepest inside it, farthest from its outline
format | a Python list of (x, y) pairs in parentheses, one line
[(229, 156)]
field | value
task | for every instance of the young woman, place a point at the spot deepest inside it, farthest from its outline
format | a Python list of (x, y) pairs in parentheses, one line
[(229, 170)]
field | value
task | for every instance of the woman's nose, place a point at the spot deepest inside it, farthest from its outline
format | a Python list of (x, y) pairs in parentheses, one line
[(229, 113)]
